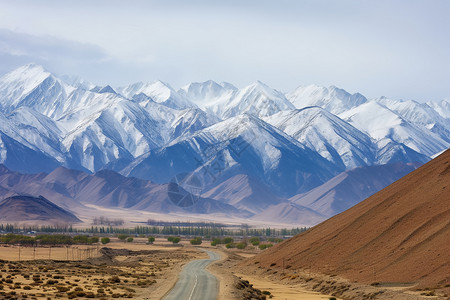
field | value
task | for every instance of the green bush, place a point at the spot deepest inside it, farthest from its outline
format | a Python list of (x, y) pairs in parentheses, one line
[(241, 245), (196, 241), (151, 239), (174, 239), (129, 240), (105, 240), (230, 245)]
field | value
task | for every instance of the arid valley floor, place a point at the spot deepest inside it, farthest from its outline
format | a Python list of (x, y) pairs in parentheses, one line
[(148, 271)]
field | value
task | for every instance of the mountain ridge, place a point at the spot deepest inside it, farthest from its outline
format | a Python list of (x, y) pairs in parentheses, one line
[(284, 144)]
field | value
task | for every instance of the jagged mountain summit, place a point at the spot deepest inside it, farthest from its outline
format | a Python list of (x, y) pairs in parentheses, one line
[(331, 137), (255, 136), (90, 128), (332, 99)]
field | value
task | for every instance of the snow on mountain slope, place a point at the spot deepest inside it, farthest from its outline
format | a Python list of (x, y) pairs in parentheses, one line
[(442, 107), (8, 128), (23, 158), (121, 131), (75, 124), (257, 99), (209, 95), (34, 87), (379, 122), (335, 140), (332, 99), (239, 145), (159, 91), (389, 151), (420, 114), (77, 82), (414, 112), (173, 123), (39, 131), (23, 146), (80, 104), (189, 121)]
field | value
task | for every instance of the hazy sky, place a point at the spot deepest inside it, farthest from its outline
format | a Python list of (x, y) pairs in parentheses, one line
[(399, 49)]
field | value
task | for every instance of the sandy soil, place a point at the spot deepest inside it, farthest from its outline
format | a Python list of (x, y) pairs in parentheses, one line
[(123, 270), (398, 236), (283, 291), (299, 284)]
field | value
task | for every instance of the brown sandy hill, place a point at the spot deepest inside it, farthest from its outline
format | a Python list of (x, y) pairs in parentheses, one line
[(400, 234), (26, 208)]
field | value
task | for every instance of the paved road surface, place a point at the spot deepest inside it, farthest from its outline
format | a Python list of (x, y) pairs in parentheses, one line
[(195, 283)]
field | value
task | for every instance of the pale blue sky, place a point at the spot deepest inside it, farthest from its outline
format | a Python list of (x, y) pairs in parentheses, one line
[(398, 49)]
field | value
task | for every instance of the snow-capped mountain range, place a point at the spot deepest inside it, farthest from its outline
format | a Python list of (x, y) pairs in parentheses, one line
[(287, 142)]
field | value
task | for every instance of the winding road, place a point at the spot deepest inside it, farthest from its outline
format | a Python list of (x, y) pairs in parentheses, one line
[(196, 283)]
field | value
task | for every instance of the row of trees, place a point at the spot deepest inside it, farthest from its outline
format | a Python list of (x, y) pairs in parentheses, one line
[(158, 230)]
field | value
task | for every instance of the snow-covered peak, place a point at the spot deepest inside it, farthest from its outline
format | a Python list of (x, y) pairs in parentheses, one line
[(203, 90), (251, 129), (208, 95), (380, 122), (107, 89), (20, 82), (334, 139), (77, 82), (29, 76), (415, 112), (257, 99), (32, 86), (228, 86), (189, 121), (159, 91), (442, 107), (332, 99)]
